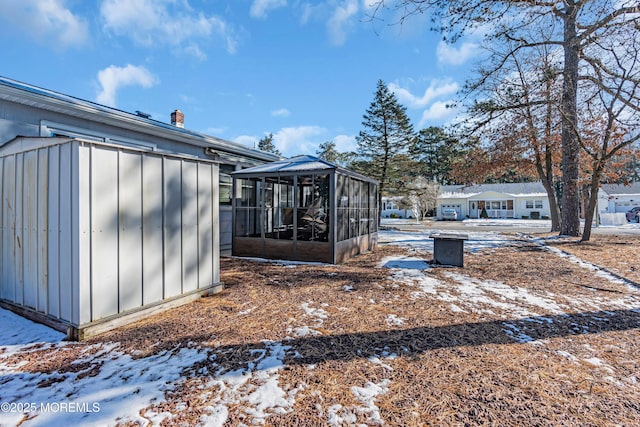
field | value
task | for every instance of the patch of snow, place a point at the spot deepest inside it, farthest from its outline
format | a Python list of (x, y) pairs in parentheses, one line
[(367, 395), (514, 332), (377, 361), (512, 299), (497, 222), (255, 387), (120, 389), (303, 331), (457, 309), (404, 262), (591, 267), (568, 355), (393, 320), (317, 313), (18, 333), (338, 416), (422, 241), (410, 276), (594, 361)]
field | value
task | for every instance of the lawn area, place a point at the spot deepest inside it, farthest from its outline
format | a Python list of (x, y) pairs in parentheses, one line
[(530, 332)]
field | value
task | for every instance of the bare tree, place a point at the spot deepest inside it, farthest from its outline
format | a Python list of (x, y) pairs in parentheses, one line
[(577, 27), (518, 115), (420, 195), (610, 117)]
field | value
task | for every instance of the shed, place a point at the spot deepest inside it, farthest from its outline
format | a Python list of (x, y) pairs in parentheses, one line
[(95, 234), (303, 209)]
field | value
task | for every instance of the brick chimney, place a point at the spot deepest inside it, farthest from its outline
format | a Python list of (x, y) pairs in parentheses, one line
[(177, 118)]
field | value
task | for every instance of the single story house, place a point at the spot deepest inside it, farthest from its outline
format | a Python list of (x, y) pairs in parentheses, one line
[(391, 208), (108, 215), (618, 198), (511, 200)]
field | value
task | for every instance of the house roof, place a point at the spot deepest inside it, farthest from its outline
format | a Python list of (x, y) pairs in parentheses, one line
[(512, 189), (621, 189), (26, 94), (296, 165)]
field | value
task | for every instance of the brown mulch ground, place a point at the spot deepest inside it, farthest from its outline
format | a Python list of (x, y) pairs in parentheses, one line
[(451, 361), (618, 254)]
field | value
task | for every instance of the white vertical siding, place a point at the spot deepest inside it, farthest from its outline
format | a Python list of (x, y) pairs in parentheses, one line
[(172, 230), (104, 225), (18, 257), (130, 228), (42, 231), (88, 231), (66, 256), (152, 230), (3, 283), (29, 229), (215, 226), (8, 228), (205, 222), (189, 226), (81, 243), (53, 232)]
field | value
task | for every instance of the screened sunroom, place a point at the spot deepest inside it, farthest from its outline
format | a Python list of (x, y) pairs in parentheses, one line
[(303, 209)]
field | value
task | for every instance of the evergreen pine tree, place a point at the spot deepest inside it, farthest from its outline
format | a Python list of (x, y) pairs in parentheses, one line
[(383, 144), (435, 151), (266, 144), (327, 151)]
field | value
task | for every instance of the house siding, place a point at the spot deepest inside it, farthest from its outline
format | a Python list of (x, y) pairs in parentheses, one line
[(511, 204)]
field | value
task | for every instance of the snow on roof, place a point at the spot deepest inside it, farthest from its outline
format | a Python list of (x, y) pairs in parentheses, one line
[(512, 189), (615, 189)]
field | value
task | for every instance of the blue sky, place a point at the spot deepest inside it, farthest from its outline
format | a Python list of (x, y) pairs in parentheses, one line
[(305, 71)]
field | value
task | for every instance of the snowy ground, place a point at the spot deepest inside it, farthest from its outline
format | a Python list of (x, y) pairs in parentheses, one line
[(104, 385), (506, 224)]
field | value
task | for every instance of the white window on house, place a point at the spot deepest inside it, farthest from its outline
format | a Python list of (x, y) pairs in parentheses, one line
[(533, 204)]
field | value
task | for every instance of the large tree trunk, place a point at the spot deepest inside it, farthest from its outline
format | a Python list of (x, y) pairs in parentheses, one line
[(570, 225), (554, 209), (591, 206)]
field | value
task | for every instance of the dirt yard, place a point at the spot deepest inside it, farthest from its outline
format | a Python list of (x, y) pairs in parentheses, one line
[(523, 335)]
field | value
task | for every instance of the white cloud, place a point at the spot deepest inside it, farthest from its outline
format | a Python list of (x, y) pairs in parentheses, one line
[(113, 78), (292, 141), (451, 55), (248, 140), (345, 143), (47, 21), (260, 8), (282, 112), (436, 89), (167, 22), (309, 12), (341, 20), (301, 140), (438, 112)]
